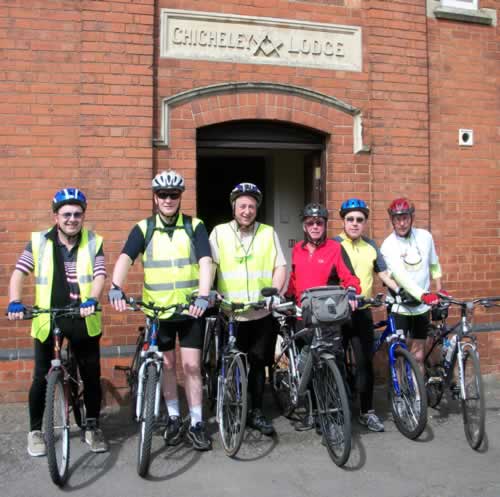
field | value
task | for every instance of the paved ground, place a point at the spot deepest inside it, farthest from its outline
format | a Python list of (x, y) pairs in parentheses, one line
[(440, 464)]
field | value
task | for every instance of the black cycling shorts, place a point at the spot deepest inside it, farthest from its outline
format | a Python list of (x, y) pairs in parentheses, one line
[(416, 326), (190, 332)]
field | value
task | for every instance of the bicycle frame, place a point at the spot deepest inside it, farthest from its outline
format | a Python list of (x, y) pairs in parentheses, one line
[(394, 338)]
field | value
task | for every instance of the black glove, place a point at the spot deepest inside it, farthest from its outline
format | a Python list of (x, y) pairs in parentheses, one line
[(351, 294)]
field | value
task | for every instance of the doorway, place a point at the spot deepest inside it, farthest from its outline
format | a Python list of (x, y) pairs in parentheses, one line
[(285, 161)]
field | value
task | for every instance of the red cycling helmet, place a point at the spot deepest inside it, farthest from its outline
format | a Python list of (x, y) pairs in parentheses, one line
[(401, 206)]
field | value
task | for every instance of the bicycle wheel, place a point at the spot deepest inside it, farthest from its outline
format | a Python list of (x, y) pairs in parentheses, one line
[(233, 414), (283, 385), (333, 409), (147, 419), (473, 406), (409, 407), (133, 372), (57, 427)]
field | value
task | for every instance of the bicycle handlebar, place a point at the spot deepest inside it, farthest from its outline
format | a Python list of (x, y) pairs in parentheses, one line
[(139, 305), (68, 311), (483, 301)]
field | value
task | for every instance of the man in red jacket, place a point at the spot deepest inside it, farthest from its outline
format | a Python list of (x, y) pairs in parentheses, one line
[(318, 261)]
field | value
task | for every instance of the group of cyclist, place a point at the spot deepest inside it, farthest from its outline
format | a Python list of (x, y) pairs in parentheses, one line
[(242, 256)]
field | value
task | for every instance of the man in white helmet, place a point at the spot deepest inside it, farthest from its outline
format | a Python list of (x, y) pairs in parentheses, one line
[(249, 258), (177, 261)]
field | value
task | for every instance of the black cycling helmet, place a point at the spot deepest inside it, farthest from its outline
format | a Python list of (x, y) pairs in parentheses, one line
[(246, 189), (314, 210), (69, 196), (354, 204)]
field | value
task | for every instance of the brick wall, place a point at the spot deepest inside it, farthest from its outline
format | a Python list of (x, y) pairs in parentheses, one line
[(81, 86)]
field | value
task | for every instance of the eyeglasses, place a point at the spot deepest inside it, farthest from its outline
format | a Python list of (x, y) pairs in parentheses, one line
[(317, 222), (352, 219), (69, 215), (172, 195)]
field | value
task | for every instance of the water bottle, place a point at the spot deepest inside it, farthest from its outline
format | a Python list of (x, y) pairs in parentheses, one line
[(448, 354)]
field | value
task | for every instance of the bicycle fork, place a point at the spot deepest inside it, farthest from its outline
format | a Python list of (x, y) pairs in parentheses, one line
[(158, 361), (461, 348)]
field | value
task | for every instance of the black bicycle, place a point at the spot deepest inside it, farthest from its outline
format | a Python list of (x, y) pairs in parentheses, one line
[(225, 373), (64, 395), (292, 374), (458, 367)]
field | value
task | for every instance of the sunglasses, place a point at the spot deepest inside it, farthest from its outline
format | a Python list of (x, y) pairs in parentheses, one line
[(352, 219), (172, 195), (317, 222), (69, 215)]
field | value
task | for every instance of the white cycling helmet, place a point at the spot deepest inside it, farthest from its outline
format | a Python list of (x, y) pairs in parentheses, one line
[(168, 180)]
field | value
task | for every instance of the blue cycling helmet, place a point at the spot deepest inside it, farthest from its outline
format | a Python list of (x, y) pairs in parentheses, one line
[(246, 189), (69, 196), (354, 204)]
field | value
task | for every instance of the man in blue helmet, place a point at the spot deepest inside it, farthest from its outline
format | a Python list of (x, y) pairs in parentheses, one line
[(366, 261), (68, 263)]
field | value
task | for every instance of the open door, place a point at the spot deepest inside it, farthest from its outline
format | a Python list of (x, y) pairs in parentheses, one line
[(314, 190)]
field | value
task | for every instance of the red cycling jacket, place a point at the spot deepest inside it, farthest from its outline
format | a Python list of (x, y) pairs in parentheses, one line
[(329, 264)]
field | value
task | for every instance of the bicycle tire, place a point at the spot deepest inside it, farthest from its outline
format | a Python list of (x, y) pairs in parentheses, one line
[(133, 373), (409, 409), (209, 368), (473, 405), (57, 427), (147, 420), (233, 414), (333, 409)]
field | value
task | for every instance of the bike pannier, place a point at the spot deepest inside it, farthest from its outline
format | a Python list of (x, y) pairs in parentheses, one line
[(325, 305)]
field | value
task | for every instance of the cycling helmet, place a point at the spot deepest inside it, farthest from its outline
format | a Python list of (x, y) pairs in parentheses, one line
[(314, 210), (354, 204), (401, 206), (168, 180), (246, 189), (69, 196)]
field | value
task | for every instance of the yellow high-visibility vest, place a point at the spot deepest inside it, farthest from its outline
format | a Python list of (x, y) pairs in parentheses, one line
[(43, 258), (243, 273), (171, 270)]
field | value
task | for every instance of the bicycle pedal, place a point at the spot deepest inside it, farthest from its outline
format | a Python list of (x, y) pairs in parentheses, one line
[(434, 380), (121, 368)]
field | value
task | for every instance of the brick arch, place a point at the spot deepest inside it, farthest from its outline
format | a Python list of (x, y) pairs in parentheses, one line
[(256, 100), (182, 114)]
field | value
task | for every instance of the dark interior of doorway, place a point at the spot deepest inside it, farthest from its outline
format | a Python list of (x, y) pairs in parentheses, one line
[(217, 176)]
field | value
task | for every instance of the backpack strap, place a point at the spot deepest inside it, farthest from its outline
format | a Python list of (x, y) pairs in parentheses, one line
[(188, 228)]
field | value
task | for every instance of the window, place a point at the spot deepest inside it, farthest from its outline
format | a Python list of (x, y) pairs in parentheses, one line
[(461, 4)]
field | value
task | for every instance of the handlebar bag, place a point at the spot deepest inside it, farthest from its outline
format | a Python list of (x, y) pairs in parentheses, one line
[(325, 305)]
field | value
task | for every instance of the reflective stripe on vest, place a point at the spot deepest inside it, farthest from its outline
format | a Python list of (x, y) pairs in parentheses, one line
[(171, 270), (43, 252), (242, 275)]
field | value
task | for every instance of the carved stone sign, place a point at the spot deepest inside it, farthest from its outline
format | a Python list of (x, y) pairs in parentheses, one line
[(259, 40)]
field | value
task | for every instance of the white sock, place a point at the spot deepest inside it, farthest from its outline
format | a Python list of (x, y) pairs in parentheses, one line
[(173, 407), (195, 413)]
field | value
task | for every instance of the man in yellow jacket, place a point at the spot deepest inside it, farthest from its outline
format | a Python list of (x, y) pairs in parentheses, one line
[(176, 260), (68, 265), (249, 258)]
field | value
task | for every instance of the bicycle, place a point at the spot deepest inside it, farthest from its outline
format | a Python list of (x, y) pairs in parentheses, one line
[(407, 391), (292, 374), (225, 372), (64, 395), (144, 376), (462, 354)]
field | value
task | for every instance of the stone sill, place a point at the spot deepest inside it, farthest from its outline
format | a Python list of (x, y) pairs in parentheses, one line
[(481, 16)]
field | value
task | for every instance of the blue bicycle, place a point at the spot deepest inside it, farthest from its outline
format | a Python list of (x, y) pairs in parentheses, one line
[(407, 393)]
